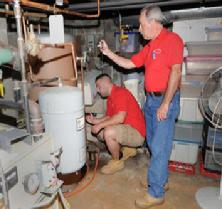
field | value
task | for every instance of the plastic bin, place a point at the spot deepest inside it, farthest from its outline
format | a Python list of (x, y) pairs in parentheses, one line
[(194, 80), (133, 86), (130, 45), (202, 65), (209, 162), (182, 167), (218, 138), (184, 152), (190, 132), (214, 33), (212, 48), (189, 109)]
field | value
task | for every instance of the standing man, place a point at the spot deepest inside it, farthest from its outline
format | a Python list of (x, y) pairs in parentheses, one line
[(162, 58), (122, 126)]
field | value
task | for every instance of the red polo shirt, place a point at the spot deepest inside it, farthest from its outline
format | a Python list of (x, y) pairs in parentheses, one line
[(158, 56), (121, 99)]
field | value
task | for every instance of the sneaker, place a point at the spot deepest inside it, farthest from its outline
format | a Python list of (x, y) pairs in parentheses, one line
[(144, 185), (148, 201), (112, 167), (128, 152)]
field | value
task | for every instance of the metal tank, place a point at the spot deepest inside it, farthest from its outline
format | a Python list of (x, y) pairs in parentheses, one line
[(63, 114)]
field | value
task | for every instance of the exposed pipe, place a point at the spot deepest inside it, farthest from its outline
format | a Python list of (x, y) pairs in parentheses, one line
[(130, 4), (58, 10), (26, 14), (20, 40), (10, 104), (107, 4)]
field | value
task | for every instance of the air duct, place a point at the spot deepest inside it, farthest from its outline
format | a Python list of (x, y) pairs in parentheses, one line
[(176, 15), (196, 13)]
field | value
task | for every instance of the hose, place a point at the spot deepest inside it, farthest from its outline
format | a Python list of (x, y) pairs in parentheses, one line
[(80, 189)]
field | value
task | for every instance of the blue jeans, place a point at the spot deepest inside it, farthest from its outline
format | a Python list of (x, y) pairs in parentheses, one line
[(159, 137)]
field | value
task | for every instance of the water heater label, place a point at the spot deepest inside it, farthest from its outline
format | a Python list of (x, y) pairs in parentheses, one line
[(80, 123)]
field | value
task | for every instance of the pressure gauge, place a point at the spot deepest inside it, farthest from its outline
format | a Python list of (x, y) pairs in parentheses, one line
[(31, 183)]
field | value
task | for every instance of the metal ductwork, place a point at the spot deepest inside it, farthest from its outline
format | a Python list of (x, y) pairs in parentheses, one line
[(176, 15), (132, 4), (196, 13)]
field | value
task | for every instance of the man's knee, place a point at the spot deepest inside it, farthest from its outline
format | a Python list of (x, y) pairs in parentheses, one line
[(109, 132)]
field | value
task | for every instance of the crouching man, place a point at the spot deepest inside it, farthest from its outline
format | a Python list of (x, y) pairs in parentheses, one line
[(123, 126)]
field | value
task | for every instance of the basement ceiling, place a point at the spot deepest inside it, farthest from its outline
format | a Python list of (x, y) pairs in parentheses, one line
[(127, 8)]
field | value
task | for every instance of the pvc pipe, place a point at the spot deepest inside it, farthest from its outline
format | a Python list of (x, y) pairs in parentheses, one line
[(20, 40)]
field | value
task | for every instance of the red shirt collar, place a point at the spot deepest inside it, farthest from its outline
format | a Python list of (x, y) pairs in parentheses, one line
[(163, 32), (112, 90)]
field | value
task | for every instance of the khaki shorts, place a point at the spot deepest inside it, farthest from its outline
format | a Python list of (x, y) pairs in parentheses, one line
[(126, 136)]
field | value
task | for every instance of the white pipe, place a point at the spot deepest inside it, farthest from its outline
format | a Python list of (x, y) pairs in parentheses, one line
[(44, 203), (64, 201), (20, 40)]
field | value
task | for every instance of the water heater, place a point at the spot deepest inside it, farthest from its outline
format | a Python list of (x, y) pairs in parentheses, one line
[(63, 114)]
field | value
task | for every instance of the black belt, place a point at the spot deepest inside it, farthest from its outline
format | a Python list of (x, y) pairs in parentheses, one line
[(156, 93)]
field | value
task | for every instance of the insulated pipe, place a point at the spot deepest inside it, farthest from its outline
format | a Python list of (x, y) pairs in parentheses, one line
[(20, 40), (202, 12), (35, 117), (6, 55), (10, 104), (176, 15)]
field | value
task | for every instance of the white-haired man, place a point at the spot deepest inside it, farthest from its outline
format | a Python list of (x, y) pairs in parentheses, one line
[(162, 58)]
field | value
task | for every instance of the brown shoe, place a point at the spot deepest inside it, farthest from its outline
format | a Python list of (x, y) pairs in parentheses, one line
[(112, 167), (148, 201), (144, 185), (128, 152)]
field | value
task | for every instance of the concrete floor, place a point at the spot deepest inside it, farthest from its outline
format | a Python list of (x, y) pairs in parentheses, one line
[(119, 191)]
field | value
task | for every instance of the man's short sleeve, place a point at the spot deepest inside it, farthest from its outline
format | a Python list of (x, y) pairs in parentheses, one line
[(176, 50), (140, 58)]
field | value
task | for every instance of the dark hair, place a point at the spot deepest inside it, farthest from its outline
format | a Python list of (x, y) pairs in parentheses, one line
[(103, 75)]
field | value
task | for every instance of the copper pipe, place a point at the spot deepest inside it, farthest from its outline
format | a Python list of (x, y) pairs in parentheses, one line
[(58, 10), (26, 14), (82, 82)]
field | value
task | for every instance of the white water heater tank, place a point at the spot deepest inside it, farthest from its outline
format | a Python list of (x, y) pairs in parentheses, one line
[(63, 114)]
